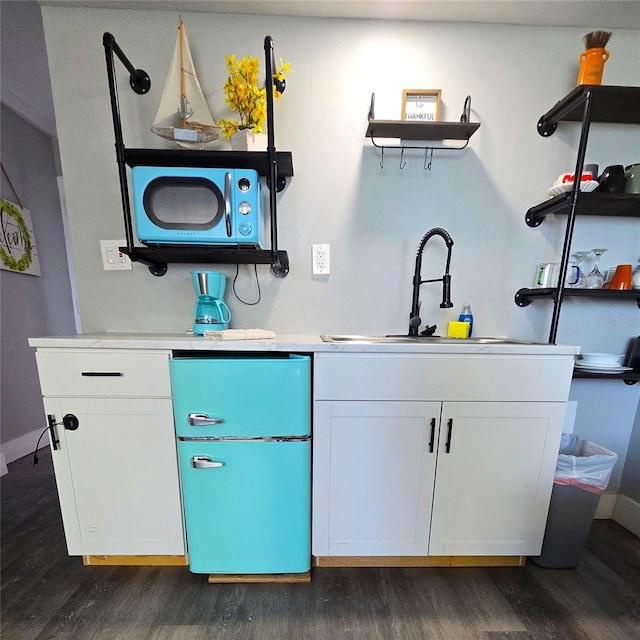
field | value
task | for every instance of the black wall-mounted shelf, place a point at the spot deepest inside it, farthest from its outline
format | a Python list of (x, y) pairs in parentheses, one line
[(629, 377), (158, 256), (275, 166), (608, 103), (625, 205), (585, 104), (257, 160), (427, 131), (524, 297)]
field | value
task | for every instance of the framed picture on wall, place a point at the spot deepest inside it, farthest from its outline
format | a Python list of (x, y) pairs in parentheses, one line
[(18, 250), (422, 105)]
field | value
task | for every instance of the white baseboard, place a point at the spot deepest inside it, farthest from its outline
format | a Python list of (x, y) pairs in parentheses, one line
[(3, 464), (606, 506), (22, 446), (627, 513)]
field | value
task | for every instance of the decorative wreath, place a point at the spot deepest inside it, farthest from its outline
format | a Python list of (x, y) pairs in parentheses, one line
[(22, 263)]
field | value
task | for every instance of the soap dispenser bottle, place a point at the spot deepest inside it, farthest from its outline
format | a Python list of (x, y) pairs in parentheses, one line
[(467, 316)]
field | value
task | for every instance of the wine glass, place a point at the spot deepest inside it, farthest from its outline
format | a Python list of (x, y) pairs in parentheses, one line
[(595, 279), (580, 281)]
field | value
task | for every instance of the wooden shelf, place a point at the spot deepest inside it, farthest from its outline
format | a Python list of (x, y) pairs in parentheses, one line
[(525, 296), (159, 256), (426, 131), (630, 377), (257, 160), (589, 204), (613, 104)]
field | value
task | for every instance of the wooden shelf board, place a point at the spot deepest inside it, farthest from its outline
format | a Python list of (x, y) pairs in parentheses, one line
[(257, 160), (588, 204), (408, 130), (419, 561), (216, 578)]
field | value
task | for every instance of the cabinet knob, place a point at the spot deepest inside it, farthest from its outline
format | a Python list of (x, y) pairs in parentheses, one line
[(70, 422)]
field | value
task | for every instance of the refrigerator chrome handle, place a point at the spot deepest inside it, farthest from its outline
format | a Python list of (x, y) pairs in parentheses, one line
[(205, 462), (202, 420)]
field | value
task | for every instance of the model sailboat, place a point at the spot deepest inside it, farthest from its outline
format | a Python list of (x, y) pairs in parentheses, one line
[(183, 115)]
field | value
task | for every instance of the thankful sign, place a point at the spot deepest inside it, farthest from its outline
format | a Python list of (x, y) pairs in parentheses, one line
[(17, 241)]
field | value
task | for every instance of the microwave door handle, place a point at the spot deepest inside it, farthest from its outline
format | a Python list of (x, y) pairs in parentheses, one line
[(227, 202)]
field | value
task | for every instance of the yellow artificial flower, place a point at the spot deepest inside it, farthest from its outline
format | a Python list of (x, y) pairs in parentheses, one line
[(245, 97)]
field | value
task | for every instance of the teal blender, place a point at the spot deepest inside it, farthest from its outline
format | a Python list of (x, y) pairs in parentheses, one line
[(211, 313)]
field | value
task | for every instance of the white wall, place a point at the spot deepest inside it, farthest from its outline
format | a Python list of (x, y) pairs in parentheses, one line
[(372, 218), (30, 305)]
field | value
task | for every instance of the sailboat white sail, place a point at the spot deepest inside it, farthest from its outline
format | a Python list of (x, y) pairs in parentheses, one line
[(183, 115)]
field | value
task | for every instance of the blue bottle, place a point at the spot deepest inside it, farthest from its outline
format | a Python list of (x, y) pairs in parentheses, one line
[(467, 316)]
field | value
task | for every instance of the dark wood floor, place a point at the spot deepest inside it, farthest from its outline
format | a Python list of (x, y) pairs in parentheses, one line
[(48, 595)]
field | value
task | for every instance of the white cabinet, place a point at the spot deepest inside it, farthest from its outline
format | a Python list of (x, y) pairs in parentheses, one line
[(376, 463), (117, 473), (495, 465), (404, 466)]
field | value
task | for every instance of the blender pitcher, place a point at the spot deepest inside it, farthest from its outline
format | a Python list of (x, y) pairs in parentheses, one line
[(211, 312)]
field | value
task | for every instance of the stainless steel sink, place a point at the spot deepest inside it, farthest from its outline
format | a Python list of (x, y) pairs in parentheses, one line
[(391, 339)]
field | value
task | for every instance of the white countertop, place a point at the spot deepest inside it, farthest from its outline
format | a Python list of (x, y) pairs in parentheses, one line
[(293, 343)]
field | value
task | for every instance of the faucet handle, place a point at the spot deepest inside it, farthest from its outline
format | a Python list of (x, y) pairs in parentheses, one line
[(429, 330)]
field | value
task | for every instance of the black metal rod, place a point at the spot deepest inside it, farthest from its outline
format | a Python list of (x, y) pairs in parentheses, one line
[(109, 40), (447, 445), (420, 147), (549, 121), (272, 158), (110, 46), (571, 217)]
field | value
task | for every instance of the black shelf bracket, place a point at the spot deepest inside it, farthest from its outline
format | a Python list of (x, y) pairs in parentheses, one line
[(156, 258), (548, 123)]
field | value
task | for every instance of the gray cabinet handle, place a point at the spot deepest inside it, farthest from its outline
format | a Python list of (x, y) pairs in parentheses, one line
[(227, 202), (205, 462), (202, 420)]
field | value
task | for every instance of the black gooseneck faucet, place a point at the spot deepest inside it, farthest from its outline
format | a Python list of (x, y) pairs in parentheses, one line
[(414, 316)]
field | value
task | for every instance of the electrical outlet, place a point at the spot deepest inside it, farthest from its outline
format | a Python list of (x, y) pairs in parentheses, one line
[(321, 259), (112, 258)]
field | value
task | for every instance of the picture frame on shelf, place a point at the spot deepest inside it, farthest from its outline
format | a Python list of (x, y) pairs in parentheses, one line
[(421, 105)]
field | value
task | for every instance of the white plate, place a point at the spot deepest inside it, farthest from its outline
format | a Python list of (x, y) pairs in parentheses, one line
[(585, 186), (594, 368), (602, 359), (598, 365)]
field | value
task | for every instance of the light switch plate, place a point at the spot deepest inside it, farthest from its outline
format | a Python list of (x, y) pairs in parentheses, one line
[(321, 259), (112, 258)]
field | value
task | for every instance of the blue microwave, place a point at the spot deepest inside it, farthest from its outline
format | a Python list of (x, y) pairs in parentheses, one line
[(184, 205)]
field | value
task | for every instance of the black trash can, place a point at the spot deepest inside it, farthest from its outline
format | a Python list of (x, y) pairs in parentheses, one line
[(582, 474)]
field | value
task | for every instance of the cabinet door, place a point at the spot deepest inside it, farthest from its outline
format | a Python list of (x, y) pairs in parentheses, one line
[(117, 476), (496, 462), (374, 466)]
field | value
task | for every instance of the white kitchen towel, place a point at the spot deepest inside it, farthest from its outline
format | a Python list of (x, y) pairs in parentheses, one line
[(240, 334)]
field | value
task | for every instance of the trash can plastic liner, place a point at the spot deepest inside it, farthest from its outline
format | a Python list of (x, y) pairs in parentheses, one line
[(584, 464)]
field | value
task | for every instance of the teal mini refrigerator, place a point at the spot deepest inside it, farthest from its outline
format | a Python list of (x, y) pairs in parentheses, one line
[(243, 426)]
